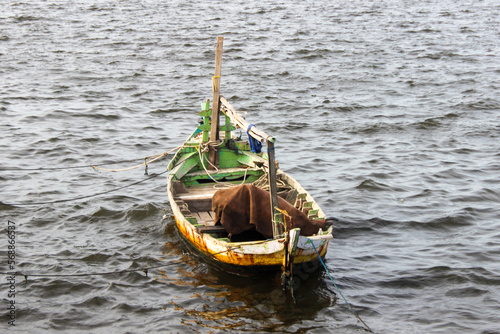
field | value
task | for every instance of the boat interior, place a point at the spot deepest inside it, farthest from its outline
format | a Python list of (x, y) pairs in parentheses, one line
[(193, 185), (193, 194)]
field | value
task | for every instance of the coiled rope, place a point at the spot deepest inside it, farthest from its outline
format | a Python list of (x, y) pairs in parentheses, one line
[(336, 287)]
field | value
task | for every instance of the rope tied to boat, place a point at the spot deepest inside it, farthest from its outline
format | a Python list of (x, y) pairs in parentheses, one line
[(336, 287), (95, 167), (154, 158), (203, 148), (255, 145), (83, 197), (145, 270)]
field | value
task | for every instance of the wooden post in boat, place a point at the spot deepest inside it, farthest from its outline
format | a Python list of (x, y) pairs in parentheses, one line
[(214, 129), (275, 214)]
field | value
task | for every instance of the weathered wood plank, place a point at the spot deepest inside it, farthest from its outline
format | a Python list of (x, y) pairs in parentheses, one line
[(206, 218), (198, 192), (211, 229), (214, 131), (187, 165)]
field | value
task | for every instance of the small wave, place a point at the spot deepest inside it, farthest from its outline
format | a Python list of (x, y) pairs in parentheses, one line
[(98, 258), (466, 292), (372, 185), (444, 223), (439, 55), (487, 104), (94, 301), (476, 275), (60, 286), (312, 53), (452, 115), (61, 114), (347, 108), (442, 276), (6, 207), (141, 212), (24, 18), (377, 128), (481, 196), (439, 276), (103, 212), (166, 111), (376, 226), (428, 124), (293, 126)]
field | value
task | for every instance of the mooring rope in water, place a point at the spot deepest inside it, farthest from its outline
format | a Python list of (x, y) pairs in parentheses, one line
[(336, 287), (145, 163), (144, 270), (83, 197), (19, 169), (95, 166)]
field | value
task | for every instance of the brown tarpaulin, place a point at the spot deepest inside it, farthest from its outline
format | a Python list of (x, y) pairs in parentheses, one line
[(248, 207)]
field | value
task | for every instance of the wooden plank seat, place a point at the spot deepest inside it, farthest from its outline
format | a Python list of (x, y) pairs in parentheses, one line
[(197, 199), (210, 229), (205, 217), (196, 195)]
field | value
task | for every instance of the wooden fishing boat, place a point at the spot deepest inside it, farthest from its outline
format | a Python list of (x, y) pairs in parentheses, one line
[(215, 158)]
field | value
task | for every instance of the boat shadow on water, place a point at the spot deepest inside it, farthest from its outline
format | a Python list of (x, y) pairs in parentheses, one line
[(232, 300)]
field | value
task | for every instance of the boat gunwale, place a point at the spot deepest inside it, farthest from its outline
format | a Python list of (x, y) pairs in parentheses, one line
[(231, 253)]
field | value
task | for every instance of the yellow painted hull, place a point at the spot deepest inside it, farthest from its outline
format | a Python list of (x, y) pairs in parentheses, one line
[(246, 255), (224, 253)]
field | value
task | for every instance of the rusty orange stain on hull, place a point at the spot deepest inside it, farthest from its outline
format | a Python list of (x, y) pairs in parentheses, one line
[(210, 246)]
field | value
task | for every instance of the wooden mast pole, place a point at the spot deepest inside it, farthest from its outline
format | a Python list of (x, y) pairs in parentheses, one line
[(214, 128)]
